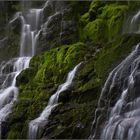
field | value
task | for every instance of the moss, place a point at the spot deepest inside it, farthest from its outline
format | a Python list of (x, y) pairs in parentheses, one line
[(52, 70), (83, 97), (14, 134), (39, 82), (95, 31), (72, 122), (106, 25), (114, 14), (133, 5), (84, 19), (94, 72), (116, 50), (56, 59), (105, 48), (111, 10), (96, 5)]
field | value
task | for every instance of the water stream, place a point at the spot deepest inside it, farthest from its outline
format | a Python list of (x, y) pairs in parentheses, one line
[(132, 24), (124, 118), (41, 121), (31, 24), (123, 121)]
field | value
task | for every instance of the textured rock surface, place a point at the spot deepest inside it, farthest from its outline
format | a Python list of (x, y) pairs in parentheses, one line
[(9, 39), (60, 24)]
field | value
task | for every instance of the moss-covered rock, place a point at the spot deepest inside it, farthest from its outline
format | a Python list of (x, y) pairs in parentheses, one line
[(69, 119), (106, 25), (114, 14), (37, 83), (95, 31), (72, 119)]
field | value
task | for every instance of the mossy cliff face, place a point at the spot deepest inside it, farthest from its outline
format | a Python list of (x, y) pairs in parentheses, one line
[(42, 80), (72, 118), (103, 21), (101, 47)]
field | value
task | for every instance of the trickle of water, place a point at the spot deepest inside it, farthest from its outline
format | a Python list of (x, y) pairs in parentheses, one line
[(53, 102), (132, 24)]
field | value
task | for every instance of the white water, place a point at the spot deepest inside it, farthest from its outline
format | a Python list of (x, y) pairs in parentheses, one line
[(123, 121), (53, 102), (9, 91), (30, 31), (31, 22), (132, 24), (124, 116)]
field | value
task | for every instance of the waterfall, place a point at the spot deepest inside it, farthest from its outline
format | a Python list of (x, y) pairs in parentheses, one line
[(8, 90), (132, 24), (30, 31), (53, 102), (31, 25), (123, 121)]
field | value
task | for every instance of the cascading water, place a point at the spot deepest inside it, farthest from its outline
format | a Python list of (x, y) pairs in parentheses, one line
[(53, 102), (132, 24), (8, 90), (124, 115), (30, 31), (31, 22)]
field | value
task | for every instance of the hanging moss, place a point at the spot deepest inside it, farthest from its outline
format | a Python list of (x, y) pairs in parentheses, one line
[(95, 31), (84, 19), (106, 25), (114, 14)]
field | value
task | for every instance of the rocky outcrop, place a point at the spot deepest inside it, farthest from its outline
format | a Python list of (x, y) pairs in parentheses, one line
[(60, 24), (9, 38)]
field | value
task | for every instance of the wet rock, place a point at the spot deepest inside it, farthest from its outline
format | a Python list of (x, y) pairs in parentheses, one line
[(60, 28), (64, 96)]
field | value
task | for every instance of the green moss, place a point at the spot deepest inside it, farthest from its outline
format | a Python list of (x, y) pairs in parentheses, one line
[(134, 5), (95, 71), (95, 31), (114, 14), (106, 25), (101, 25), (72, 122), (14, 134), (111, 10), (52, 71), (95, 6), (115, 51), (84, 19), (39, 82)]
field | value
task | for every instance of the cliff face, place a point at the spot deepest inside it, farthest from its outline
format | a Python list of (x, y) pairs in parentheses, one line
[(60, 24), (71, 32)]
